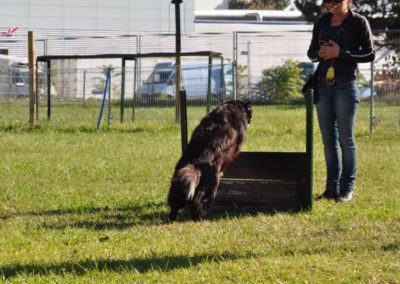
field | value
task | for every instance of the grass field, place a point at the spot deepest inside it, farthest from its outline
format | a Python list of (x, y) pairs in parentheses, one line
[(84, 205)]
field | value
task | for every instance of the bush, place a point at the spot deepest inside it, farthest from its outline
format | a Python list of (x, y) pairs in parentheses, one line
[(283, 83)]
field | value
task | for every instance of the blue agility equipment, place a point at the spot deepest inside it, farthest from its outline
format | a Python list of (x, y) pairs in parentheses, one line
[(104, 97)]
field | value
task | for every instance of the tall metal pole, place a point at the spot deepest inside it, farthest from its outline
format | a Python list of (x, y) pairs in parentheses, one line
[(309, 150), (180, 110), (178, 56)]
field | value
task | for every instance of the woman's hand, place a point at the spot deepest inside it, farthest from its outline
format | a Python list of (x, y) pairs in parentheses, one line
[(329, 50)]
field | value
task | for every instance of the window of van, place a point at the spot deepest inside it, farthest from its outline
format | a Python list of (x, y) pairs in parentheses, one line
[(172, 80), (159, 77), (17, 78)]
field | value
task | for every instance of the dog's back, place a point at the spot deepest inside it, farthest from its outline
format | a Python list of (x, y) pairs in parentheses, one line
[(214, 144)]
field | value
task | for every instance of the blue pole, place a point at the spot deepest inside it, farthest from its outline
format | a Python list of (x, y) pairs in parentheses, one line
[(104, 97)]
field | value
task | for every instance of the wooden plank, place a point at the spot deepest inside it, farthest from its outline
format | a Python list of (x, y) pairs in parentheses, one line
[(269, 194), (289, 166)]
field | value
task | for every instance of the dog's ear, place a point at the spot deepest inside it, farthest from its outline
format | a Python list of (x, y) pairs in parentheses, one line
[(247, 104), (249, 111)]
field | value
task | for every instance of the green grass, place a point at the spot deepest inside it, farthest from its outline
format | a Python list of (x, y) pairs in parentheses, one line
[(84, 205)]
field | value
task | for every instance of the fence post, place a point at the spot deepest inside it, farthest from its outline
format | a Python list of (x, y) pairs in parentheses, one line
[(31, 58), (235, 64), (122, 91), (134, 99), (184, 135), (36, 92), (138, 61), (234, 80), (222, 86), (248, 68), (371, 100), (48, 90), (209, 84), (84, 85)]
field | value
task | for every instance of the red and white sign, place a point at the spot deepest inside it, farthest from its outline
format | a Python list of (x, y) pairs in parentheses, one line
[(10, 32)]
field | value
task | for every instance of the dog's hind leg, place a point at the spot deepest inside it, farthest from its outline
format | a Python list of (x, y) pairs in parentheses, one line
[(196, 206), (204, 198), (173, 214), (176, 201), (200, 206)]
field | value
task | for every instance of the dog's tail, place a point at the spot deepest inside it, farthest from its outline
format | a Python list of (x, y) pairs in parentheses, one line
[(187, 179), (183, 188)]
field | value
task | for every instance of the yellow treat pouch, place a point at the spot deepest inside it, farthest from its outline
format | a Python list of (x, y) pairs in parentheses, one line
[(330, 74)]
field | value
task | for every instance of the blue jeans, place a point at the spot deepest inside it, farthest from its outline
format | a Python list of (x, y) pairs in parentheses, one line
[(337, 110)]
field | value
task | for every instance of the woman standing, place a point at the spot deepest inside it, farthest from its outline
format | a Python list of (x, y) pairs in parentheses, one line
[(341, 38)]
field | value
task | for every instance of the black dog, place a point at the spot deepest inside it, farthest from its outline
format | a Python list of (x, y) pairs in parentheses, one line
[(214, 144)]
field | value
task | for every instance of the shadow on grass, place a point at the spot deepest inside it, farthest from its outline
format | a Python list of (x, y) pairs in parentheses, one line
[(217, 213), (139, 265), (122, 218), (98, 218)]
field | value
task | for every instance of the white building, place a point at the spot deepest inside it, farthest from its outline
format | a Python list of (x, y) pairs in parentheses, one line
[(121, 15)]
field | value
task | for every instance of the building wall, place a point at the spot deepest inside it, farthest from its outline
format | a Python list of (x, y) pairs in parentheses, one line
[(122, 15), (212, 4)]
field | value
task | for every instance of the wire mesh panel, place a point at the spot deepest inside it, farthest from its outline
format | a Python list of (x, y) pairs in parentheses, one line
[(383, 77)]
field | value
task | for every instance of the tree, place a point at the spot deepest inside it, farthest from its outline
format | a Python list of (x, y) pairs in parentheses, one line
[(309, 8), (259, 4), (383, 14), (284, 82)]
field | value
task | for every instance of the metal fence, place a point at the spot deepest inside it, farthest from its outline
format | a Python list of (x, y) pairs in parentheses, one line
[(78, 94), (77, 86)]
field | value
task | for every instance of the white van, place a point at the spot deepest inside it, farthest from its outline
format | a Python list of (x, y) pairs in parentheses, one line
[(14, 76), (161, 82)]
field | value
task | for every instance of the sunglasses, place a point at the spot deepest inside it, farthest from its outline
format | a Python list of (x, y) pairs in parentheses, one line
[(332, 1)]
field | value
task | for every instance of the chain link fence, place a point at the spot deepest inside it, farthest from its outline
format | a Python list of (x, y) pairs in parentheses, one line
[(76, 87)]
